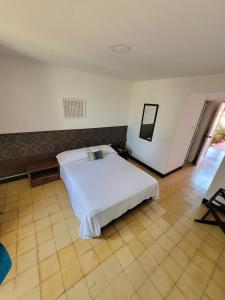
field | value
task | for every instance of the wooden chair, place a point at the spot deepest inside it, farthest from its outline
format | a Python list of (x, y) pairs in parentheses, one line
[(216, 206)]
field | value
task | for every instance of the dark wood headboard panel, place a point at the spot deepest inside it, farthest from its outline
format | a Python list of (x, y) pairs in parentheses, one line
[(19, 149)]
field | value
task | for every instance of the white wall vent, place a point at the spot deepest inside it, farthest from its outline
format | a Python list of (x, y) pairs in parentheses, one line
[(74, 108)]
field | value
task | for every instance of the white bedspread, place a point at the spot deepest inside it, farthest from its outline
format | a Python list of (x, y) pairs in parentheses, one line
[(102, 190)]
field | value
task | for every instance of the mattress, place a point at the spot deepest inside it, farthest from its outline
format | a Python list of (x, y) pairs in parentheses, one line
[(102, 190)]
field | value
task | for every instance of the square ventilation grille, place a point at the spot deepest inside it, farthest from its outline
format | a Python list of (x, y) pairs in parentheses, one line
[(74, 108)]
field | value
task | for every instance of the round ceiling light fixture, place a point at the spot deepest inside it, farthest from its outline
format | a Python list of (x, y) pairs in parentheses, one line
[(120, 48)]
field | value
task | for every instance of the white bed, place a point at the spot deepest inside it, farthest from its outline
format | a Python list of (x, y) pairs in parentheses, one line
[(102, 190)]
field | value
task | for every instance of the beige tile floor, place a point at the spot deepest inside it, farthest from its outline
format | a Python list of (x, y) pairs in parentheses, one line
[(155, 251)]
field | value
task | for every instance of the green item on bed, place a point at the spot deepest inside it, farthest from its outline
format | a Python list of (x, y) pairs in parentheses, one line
[(95, 155)]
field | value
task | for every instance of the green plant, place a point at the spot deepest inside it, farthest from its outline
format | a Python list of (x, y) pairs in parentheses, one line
[(219, 135)]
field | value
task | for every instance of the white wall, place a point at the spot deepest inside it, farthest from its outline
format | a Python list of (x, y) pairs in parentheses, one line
[(218, 181), (31, 100), (188, 121), (31, 96), (180, 103)]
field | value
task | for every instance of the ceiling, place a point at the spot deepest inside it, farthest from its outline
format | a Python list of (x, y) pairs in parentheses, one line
[(169, 38)]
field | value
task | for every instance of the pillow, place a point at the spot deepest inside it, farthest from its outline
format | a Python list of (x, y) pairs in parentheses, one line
[(95, 155), (72, 155), (106, 149)]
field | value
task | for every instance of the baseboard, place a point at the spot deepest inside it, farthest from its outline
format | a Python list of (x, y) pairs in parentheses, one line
[(13, 178), (204, 200), (173, 171), (153, 170)]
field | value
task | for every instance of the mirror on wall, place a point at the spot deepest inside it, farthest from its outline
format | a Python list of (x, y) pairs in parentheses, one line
[(148, 121)]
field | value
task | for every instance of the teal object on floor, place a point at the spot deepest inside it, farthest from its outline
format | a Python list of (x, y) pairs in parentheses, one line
[(5, 263)]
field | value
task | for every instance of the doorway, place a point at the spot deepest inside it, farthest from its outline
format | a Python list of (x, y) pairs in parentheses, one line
[(209, 139), (218, 140)]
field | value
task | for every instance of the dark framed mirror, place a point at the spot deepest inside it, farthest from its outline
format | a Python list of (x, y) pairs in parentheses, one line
[(148, 121)]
